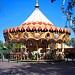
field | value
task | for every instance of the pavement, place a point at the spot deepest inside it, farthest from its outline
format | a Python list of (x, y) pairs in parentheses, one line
[(37, 68)]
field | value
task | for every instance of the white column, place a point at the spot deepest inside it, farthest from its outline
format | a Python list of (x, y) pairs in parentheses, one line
[(62, 45)]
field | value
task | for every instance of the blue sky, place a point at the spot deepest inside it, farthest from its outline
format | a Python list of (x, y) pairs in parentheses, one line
[(15, 12)]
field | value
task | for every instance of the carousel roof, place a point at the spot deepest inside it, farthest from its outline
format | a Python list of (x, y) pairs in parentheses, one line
[(37, 21), (37, 16)]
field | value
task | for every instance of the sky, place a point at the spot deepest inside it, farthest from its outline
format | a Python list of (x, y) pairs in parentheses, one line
[(15, 12)]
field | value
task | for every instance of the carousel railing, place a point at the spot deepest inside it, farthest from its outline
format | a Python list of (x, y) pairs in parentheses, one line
[(33, 57), (18, 56), (25, 57)]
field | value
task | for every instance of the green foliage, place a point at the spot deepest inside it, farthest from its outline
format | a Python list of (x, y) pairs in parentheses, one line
[(52, 1), (73, 0), (72, 42), (5, 51), (1, 43), (17, 45), (8, 45), (12, 46), (71, 4)]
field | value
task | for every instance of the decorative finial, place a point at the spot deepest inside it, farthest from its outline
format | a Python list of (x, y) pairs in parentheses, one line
[(37, 5)]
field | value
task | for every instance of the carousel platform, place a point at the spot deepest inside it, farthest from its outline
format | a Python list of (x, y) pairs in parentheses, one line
[(34, 60)]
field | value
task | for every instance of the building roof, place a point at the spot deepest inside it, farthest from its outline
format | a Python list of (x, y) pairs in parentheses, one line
[(37, 21), (37, 15)]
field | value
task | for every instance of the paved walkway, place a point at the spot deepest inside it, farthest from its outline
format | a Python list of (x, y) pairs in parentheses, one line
[(35, 68)]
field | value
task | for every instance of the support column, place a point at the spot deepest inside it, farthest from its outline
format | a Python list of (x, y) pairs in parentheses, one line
[(62, 47)]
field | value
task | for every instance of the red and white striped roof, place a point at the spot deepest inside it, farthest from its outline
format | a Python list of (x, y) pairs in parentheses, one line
[(37, 21), (37, 15)]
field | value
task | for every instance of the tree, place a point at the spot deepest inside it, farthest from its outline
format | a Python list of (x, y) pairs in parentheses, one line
[(8, 45), (72, 42), (52, 1), (17, 45), (69, 12), (71, 4), (1, 43)]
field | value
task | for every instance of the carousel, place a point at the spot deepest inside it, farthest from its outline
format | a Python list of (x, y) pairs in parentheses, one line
[(38, 33)]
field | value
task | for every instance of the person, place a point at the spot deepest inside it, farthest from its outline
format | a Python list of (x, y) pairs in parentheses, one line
[(25, 54), (12, 54), (38, 56), (44, 55), (30, 55), (2, 56), (59, 58)]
